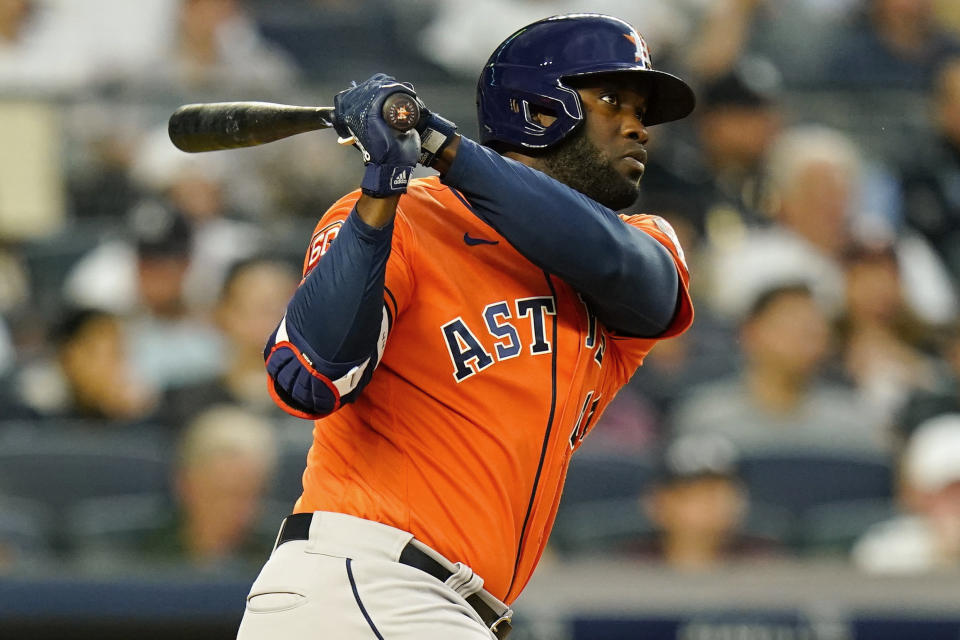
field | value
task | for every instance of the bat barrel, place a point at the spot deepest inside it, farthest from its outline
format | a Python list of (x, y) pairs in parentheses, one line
[(231, 125)]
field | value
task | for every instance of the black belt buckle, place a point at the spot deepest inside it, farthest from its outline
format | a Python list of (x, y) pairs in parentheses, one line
[(499, 625)]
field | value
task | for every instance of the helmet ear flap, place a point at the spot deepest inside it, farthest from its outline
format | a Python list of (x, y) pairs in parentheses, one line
[(533, 117)]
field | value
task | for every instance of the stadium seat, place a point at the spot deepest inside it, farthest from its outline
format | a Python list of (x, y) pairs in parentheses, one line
[(105, 534), (60, 464), (826, 496), (117, 521), (599, 526), (601, 476), (600, 510), (25, 528), (797, 481), (833, 528)]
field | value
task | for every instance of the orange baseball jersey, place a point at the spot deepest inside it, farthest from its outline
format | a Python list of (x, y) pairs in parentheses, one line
[(492, 374)]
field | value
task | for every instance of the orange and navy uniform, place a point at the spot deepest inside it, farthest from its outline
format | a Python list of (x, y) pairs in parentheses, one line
[(492, 373)]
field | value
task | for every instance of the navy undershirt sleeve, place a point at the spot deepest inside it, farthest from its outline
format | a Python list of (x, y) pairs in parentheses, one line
[(338, 308), (628, 277)]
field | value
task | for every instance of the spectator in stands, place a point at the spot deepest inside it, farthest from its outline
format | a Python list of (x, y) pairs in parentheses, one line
[(927, 536), (74, 47), (931, 204), (924, 404), (144, 277), (216, 194), (798, 36), (698, 507), (884, 345), (90, 377), (38, 52), (171, 344), (225, 461), (214, 45), (723, 38), (106, 135), (794, 34), (894, 45), (812, 229), (14, 15), (780, 401), (70, 48), (253, 299), (823, 204), (148, 49)]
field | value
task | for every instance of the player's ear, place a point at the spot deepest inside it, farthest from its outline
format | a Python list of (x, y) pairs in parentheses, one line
[(542, 115)]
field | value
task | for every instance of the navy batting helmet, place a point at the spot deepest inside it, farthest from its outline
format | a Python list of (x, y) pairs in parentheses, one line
[(533, 67)]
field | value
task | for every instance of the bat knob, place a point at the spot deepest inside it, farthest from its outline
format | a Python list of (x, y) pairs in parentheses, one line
[(401, 111)]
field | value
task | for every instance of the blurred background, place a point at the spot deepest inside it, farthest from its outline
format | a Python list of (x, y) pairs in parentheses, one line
[(788, 468)]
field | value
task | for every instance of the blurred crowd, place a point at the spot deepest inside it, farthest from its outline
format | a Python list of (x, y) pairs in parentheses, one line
[(812, 411)]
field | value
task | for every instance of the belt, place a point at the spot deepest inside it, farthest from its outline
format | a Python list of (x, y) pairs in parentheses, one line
[(297, 527)]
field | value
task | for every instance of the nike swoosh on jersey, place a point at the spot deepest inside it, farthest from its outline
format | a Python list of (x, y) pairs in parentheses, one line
[(471, 241)]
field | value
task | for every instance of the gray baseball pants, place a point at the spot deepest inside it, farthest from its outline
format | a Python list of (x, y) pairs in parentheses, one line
[(345, 582)]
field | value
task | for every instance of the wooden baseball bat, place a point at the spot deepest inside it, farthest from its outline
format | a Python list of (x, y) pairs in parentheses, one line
[(232, 125)]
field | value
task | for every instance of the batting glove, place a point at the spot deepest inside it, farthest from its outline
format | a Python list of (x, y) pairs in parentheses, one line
[(436, 132), (388, 154)]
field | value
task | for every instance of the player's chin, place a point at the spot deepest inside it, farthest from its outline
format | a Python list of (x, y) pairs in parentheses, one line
[(620, 195)]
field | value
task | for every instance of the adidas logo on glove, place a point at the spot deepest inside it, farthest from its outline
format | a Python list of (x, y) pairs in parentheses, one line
[(401, 175)]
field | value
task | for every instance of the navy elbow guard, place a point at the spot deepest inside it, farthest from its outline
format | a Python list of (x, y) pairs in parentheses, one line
[(304, 384)]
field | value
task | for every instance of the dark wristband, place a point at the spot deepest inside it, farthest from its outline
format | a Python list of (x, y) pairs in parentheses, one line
[(436, 133), (385, 180)]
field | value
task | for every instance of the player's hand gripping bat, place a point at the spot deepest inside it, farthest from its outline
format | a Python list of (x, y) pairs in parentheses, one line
[(232, 125)]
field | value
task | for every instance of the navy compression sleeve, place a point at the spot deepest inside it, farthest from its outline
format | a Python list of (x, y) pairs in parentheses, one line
[(337, 308), (627, 276), (331, 338)]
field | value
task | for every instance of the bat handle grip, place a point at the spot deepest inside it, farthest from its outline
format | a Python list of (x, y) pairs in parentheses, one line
[(401, 111)]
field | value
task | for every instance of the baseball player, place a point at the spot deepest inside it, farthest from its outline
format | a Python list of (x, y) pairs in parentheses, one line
[(456, 337)]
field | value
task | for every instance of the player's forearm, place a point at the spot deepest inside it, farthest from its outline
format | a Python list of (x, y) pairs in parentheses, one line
[(629, 277), (377, 212)]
